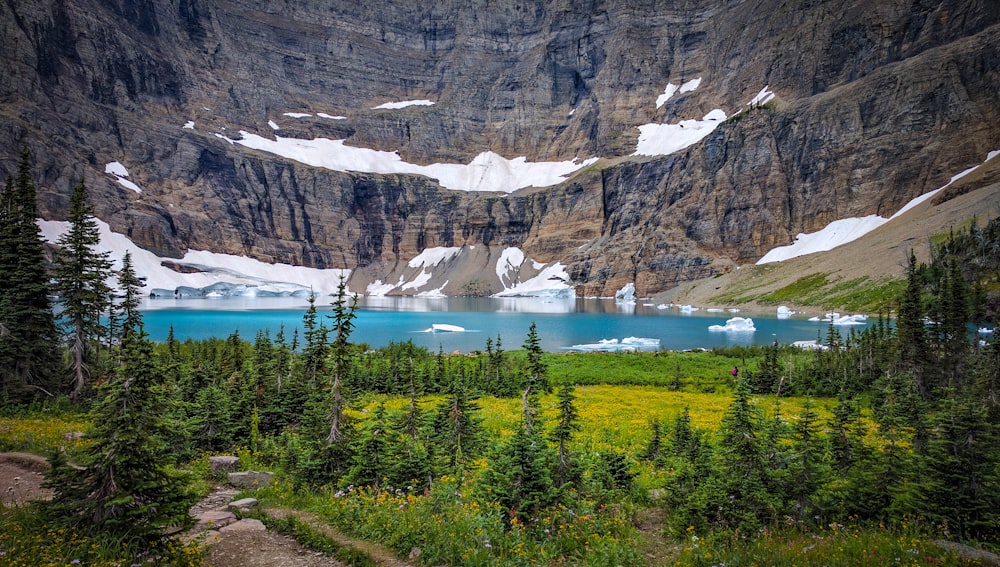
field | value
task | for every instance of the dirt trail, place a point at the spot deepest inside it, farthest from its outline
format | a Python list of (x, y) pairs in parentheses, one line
[(21, 476)]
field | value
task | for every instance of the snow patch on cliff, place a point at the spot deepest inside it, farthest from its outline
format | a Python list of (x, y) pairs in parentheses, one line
[(486, 172), (225, 274), (665, 139), (402, 104), (120, 174), (850, 229)]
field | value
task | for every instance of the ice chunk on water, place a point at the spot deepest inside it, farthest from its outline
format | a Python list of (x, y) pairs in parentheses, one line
[(735, 325)]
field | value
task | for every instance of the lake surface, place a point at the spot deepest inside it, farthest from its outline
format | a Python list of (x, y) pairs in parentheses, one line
[(561, 323)]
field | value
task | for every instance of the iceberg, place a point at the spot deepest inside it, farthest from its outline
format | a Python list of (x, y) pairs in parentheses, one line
[(626, 294), (445, 328), (850, 320), (734, 325), (628, 344), (784, 312), (688, 309)]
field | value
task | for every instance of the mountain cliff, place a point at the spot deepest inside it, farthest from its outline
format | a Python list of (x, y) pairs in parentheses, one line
[(199, 101)]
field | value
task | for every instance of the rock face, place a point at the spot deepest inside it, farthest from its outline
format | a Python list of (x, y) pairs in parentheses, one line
[(877, 102)]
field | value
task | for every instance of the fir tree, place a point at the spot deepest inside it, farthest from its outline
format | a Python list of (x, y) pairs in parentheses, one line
[(910, 331), (343, 325), (29, 351), (963, 491), (127, 487), (567, 424), (370, 451), (747, 500), (807, 467), (81, 273), (519, 477), (537, 380), (458, 435)]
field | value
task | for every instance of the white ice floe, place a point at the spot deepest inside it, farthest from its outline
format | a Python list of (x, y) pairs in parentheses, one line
[(221, 274), (120, 174), (444, 328), (851, 320), (784, 312), (273, 125), (733, 310), (849, 229), (626, 294), (809, 345), (735, 325), (665, 139), (402, 104), (297, 114), (486, 172), (714, 310), (614, 345), (985, 331), (330, 117), (687, 309), (189, 125)]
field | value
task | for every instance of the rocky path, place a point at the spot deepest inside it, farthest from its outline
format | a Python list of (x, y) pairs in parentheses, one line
[(248, 543)]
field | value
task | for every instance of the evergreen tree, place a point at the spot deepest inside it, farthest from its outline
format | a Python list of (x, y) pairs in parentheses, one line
[(29, 340), (910, 332), (81, 273), (567, 424), (519, 477), (963, 491), (458, 435), (807, 466), (343, 325), (410, 458), (747, 500), (127, 486), (537, 380), (370, 451)]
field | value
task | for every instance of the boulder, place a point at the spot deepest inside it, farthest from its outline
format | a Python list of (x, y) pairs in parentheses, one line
[(215, 519), (243, 504), (245, 525), (249, 479), (224, 463)]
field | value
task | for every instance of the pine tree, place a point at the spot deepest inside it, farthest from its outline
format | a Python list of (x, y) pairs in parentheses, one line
[(370, 451), (807, 467), (81, 273), (963, 491), (567, 424), (343, 318), (537, 380), (748, 500), (519, 477), (458, 435), (127, 486), (29, 340), (910, 331)]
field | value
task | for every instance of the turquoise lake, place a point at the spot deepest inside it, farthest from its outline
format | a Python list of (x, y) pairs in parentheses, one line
[(561, 323)]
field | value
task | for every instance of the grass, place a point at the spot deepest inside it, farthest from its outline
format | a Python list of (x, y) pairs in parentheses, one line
[(833, 546), (27, 541), (41, 434), (859, 294), (698, 371)]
